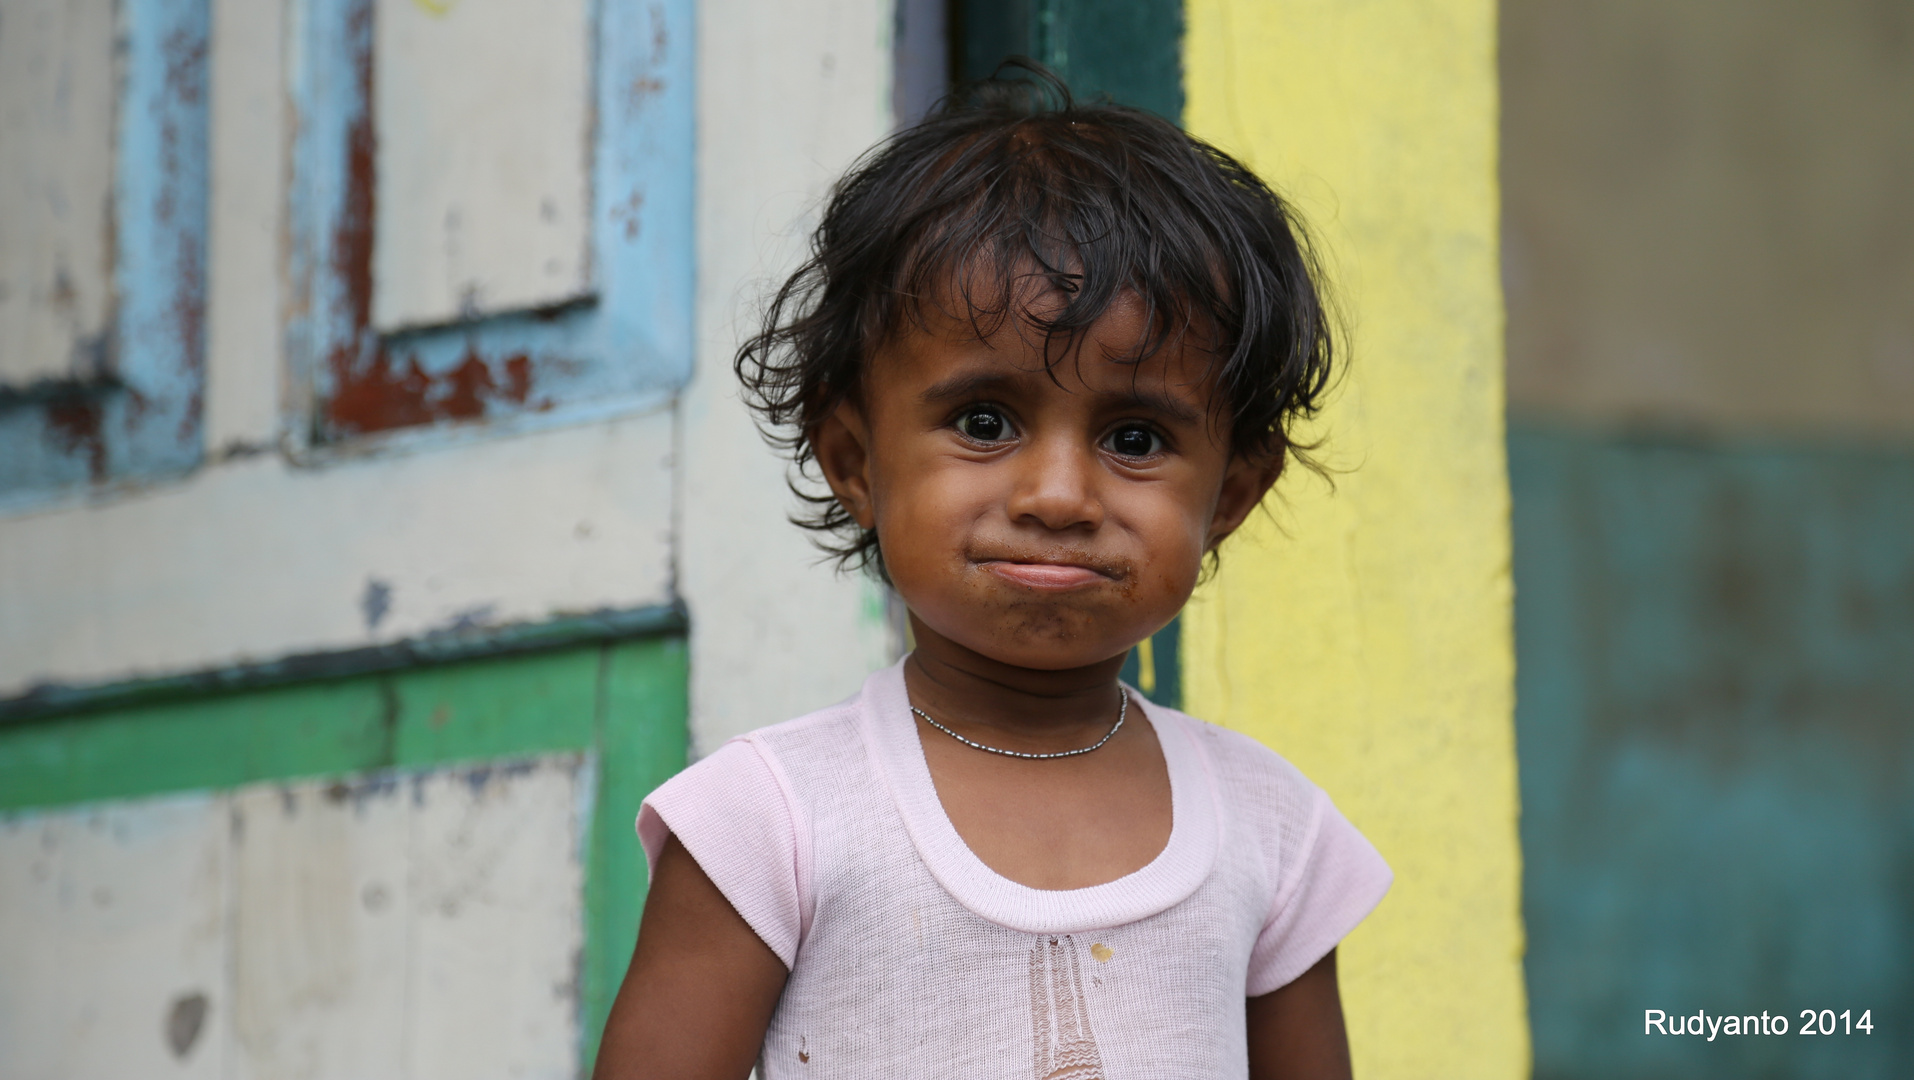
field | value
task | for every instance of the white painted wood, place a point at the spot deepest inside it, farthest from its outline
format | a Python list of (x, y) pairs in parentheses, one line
[(497, 928), (111, 917), (320, 929), (258, 559), (56, 165), (248, 112), (414, 926), (788, 95), (483, 111)]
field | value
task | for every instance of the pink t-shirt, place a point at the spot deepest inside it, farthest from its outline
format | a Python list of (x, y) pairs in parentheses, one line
[(910, 957)]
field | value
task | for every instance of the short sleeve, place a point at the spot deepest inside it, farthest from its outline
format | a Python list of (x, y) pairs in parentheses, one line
[(1337, 881), (733, 814)]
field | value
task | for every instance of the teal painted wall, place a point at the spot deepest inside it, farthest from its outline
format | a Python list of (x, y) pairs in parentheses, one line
[(623, 699), (1129, 49), (1716, 727)]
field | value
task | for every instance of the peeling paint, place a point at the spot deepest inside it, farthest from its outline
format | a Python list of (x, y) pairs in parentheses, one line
[(630, 341), (375, 602), (478, 617), (73, 424), (626, 214), (384, 394), (184, 1021), (133, 408)]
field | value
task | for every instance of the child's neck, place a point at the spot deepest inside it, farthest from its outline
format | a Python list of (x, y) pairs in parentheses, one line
[(962, 687), (1067, 823)]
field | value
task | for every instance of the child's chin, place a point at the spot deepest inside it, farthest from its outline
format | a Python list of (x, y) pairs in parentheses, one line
[(1047, 649)]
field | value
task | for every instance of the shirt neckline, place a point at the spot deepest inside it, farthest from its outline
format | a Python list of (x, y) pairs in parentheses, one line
[(1167, 880)]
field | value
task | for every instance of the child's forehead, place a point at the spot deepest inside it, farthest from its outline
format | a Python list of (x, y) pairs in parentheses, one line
[(949, 355), (1044, 310)]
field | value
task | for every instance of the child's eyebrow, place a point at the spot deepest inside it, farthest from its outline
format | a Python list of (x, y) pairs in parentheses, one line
[(969, 384), (979, 383), (1163, 405)]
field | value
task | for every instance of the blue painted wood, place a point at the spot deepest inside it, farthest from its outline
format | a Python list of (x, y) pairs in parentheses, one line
[(142, 419), (1716, 725), (628, 347)]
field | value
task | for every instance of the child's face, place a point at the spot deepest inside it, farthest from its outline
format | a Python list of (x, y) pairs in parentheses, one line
[(1045, 522)]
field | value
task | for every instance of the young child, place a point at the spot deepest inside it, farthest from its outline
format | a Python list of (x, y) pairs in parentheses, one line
[(1046, 356)]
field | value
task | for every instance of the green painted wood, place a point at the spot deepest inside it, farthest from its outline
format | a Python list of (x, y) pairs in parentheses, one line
[(1128, 49), (496, 709), (215, 742), (479, 709), (642, 742)]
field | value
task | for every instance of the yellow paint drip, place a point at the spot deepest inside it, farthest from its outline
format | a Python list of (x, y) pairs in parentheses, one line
[(1365, 633)]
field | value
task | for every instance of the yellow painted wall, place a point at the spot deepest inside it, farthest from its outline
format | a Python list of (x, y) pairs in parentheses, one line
[(1365, 634)]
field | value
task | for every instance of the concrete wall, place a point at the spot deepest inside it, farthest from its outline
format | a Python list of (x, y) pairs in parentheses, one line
[(1707, 217), (1709, 260)]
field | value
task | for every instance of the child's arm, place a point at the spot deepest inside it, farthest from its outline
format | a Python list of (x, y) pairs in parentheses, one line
[(1296, 1032), (701, 988)]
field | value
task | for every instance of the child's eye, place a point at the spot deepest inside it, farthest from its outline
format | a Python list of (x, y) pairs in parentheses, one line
[(983, 424), (1134, 440)]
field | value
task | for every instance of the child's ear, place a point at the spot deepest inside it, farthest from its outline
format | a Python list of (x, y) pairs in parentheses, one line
[(1247, 479), (842, 444)]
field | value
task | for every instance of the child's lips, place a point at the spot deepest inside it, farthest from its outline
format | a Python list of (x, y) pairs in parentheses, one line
[(1037, 575)]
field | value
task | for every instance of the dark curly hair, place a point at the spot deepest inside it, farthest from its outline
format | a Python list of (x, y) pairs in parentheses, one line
[(1011, 180)]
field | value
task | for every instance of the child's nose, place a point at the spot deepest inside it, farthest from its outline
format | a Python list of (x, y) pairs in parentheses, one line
[(1055, 486)]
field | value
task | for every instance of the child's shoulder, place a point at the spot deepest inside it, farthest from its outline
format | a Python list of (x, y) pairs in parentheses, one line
[(743, 813), (1250, 776), (785, 755), (821, 725), (1233, 756), (818, 742), (1325, 876)]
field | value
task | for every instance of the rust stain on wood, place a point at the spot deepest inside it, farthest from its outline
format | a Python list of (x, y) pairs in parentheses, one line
[(374, 387), (385, 394), (74, 422), (186, 76)]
